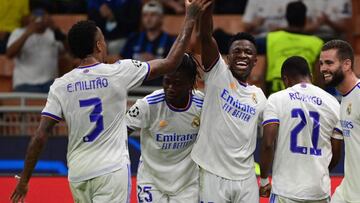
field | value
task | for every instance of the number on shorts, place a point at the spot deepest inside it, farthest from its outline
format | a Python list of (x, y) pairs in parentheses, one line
[(95, 116), (294, 147), (145, 189)]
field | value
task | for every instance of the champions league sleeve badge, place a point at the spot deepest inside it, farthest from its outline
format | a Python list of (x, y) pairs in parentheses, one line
[(136, 63), (134, 111)]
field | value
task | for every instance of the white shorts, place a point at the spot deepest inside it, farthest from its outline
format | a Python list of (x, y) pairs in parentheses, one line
[(215, 189), (112, 187), (338, 196), (281, 199), (148, 192)]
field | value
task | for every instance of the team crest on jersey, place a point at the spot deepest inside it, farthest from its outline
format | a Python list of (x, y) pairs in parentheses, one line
[(134, 111), (253, 96), (348, 109), (136, 63), (196, 122), (163, 123), (233, 86)]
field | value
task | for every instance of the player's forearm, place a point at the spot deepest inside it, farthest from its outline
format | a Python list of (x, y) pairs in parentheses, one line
[(336, 152), (266, 158), (36, 146), (206, 25), (177, 51)]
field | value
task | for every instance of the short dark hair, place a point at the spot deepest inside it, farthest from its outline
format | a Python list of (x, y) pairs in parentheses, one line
[(296, 13), (243, 36), (81, 38), (189, 66), (343, 50), (295, 66)]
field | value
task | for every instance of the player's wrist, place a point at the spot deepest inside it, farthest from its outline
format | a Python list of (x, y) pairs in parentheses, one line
[(264, 182)]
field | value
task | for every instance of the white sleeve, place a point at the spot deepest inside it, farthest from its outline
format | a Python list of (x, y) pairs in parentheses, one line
[(137, 116), (135, 72), (337, 129), (271, 114), (16, 34), (53, 107)]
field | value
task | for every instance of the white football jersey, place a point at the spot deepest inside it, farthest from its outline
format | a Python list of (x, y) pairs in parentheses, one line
[(92, 101), (230, 118), (167, 136), (350, 123), (307, 117)]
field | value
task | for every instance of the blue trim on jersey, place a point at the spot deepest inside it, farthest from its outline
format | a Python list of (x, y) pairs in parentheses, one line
[(357, 85), (51, 116), (134, 143), (243, 84), (89, 66), (197, 99), (148, 71), (338, 130), (271, 121), (155, 96), (196, 102), (156, 101), (172, 108), (200, 106)]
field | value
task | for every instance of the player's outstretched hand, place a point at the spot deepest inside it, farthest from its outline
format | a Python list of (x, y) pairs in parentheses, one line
[(195, 7), (19, 193), (264, 191)]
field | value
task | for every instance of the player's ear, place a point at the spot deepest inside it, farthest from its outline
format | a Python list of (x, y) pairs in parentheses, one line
[(286, 81)]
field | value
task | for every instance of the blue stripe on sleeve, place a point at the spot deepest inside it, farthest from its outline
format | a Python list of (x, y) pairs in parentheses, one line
[(271, 121), (51, 116)]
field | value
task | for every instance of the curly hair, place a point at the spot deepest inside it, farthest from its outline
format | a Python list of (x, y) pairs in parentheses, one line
[(81, 38)]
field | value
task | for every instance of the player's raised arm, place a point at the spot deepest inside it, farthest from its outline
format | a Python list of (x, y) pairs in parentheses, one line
[(173, 59), (36, 145), (209, 48)]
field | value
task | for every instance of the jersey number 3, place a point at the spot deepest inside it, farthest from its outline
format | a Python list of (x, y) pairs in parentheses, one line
[(294, 147), (95, 116)]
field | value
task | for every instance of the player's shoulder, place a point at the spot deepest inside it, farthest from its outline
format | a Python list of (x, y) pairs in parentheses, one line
[(324, 95), (256, 90), (155, 97), (198, 95)]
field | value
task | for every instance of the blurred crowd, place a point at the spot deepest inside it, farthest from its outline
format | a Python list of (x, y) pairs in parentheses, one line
[(134, 29)]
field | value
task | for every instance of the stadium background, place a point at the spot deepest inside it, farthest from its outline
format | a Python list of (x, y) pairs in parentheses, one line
[(19, 114)]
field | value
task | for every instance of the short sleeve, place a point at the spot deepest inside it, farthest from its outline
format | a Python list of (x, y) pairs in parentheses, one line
[(135, 72), (52, 108), (136, 117), (271, 114), (16, 34), (337, 134)]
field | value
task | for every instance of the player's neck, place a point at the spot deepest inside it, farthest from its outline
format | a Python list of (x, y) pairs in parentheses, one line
[(348, 83), (89, 60), (179, 102)]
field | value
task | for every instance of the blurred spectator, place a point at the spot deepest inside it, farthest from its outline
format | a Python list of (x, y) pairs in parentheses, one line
[(262, 16), (230, 6), (151, 43), (12, 14), (290, 42), (35, 49), (329, 19), (173, 6), (116, 18)]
